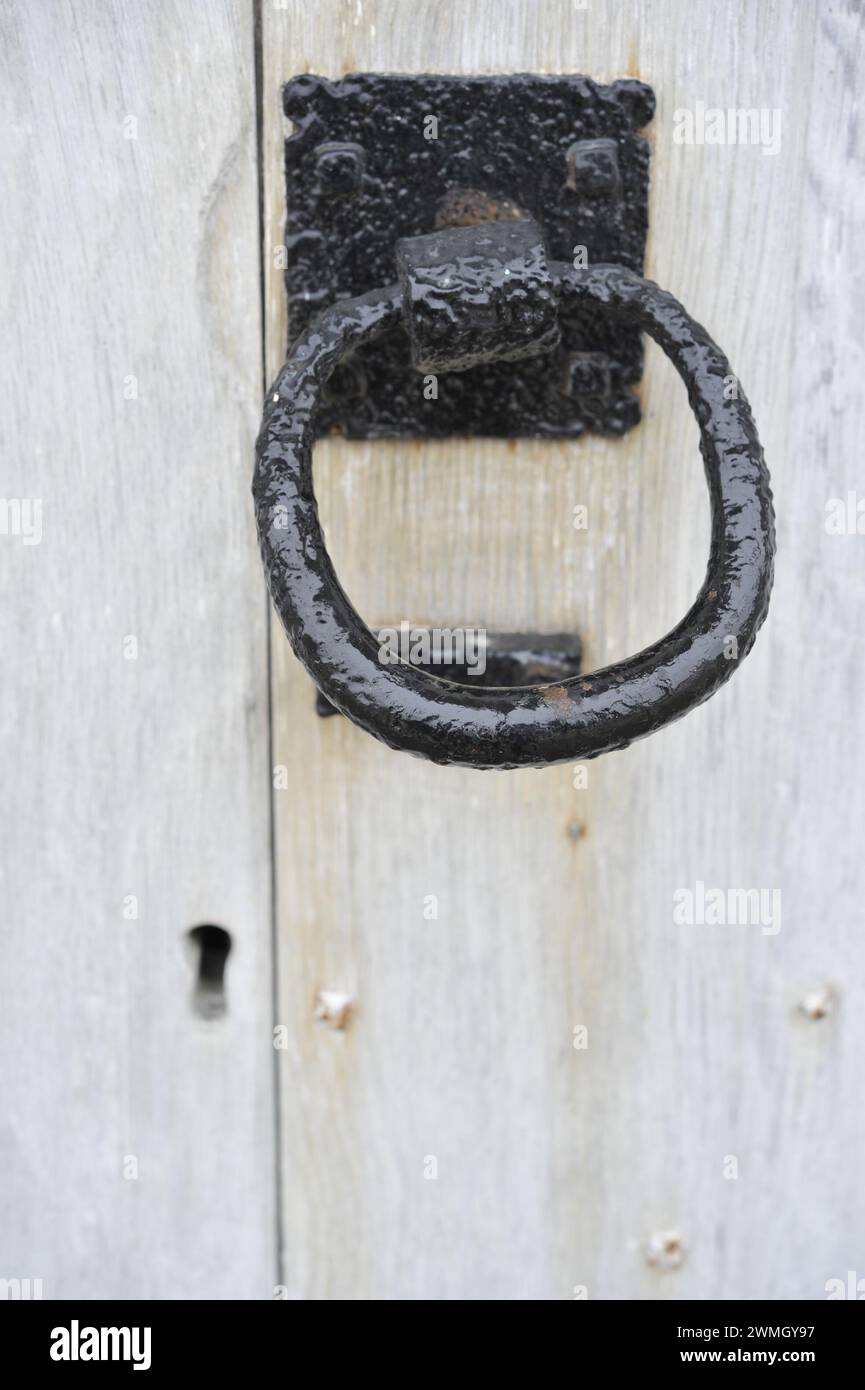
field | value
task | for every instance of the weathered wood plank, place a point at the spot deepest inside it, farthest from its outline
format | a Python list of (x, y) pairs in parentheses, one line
[(555, 906), (132, 382)]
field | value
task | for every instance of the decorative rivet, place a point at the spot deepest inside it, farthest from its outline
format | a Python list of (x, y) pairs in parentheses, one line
[(665, 1250), (333, 1007), (339, 167), (593, 169), (588, 375)]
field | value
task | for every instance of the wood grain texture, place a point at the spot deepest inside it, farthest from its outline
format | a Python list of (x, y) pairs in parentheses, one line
[(132, 383), (555, 906)]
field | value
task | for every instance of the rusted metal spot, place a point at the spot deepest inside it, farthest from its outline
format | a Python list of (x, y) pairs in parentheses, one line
[(818, 1003), (665, 1250), (556, 695), (333, 1007), (466, 207)]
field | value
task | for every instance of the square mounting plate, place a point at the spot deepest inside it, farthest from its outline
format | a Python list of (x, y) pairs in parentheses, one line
[(378, 157)]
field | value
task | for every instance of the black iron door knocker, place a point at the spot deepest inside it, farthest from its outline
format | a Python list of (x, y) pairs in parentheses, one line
[(484, 298)]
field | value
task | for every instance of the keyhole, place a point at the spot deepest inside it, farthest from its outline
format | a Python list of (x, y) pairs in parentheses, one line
[(212, 945)]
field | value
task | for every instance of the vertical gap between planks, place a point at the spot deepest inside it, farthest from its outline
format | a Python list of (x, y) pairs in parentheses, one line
[(274, 941)]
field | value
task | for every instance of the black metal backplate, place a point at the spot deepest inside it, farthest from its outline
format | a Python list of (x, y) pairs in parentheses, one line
[(375, 158)]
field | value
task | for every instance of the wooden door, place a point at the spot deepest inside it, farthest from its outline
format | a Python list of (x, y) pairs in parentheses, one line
[(466, 1049), (137, 1135), (451, 1140)]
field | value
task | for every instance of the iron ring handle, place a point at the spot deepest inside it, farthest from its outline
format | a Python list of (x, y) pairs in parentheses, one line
[(529, 726)]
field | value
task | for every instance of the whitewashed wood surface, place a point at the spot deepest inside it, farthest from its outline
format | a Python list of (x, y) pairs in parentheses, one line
[(130, 250), (558, 1168)]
